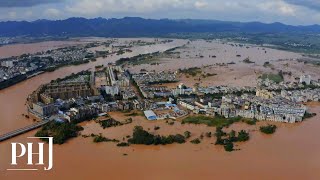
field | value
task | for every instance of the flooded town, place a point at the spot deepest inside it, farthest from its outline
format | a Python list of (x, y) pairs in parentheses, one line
[(177, 93), (159, 89)]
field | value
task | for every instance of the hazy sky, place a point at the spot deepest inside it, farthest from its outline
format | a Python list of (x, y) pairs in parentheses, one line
[(286, 11)]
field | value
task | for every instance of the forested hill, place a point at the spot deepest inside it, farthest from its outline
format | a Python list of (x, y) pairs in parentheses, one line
[(135, 27)]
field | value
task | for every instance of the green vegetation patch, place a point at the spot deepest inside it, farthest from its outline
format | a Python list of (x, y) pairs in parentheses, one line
[(193, 71), (187, 134), (227, 139), (277, 78), (140, 136), (123, 144), (113, 123), (195, 141), (99, 138), (211, 121), (249, 121), (269, 129), (228, 147), (109, 123), (60, 132), (309, 115)]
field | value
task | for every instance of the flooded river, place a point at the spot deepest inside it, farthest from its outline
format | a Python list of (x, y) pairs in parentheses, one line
[(293, 152)]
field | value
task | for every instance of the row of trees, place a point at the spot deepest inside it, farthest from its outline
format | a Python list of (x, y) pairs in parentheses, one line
[(99, 138), (140, 136)]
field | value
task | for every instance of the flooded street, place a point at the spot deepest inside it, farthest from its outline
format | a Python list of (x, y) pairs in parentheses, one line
[(293, 152)]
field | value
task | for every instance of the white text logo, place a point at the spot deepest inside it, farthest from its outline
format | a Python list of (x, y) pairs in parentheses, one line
[(32, 150)]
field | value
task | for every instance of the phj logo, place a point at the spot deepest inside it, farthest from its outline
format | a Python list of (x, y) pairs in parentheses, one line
[(32, 150)]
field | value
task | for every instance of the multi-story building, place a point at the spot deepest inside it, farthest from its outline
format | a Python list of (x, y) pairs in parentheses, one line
[(45, 110), (182, 90), (112, 90), (67, 90), (8, 64)]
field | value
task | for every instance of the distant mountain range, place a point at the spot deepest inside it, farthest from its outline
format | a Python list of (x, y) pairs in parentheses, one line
[(135, 27)]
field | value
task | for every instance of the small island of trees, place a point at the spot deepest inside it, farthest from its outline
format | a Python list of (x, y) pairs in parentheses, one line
[(99, 138), (227, 140), (140, 136), (269, 129), (60, 132), (195, 141)]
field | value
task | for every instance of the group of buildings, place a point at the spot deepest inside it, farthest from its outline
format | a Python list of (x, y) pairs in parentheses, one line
[(112, 88), (281, 102), (6, 40), (303, 95), (50, 98), (16, 69), (247, 106), (114, 81), (265, 105), (300, 83), (261, 108)]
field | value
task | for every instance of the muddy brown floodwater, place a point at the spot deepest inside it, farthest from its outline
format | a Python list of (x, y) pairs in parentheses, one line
[(293, 152), (19, 49)]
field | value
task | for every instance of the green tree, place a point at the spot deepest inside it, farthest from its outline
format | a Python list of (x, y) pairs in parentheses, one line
[(219, 141), (219, 132), (232, 136), (179, 139), (187, 134), (196, 141), (228, 147), (243, 136), (269, 129)]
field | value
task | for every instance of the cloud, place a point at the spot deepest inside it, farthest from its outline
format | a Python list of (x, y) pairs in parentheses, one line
[(200, 4), (52, 12), (278, 7), (94, 7), (29, 13), (12, 14), (286, 11), (25, 3), (311, 4)]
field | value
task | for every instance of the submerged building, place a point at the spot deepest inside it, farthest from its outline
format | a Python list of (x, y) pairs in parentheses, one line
[(305, 79), (150, 115)]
